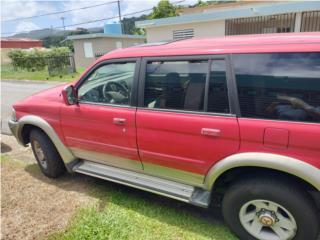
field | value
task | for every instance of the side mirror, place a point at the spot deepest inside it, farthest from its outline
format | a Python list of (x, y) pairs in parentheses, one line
[(69, 95)]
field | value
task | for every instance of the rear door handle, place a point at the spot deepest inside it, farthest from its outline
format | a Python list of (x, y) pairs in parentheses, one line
[(211, 132), (119, 121)]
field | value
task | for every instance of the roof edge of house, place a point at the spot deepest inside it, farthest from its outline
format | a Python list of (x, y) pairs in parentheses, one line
[(103, 35), (246, 11)]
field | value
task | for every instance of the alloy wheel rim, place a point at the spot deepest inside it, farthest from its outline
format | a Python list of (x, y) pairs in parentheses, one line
[(40, 154), (267, 220)]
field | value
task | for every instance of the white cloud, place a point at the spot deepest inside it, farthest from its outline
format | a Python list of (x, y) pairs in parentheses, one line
[(27, 8), (89, 14), (22, 9), (26, 27), (110, 10), (131, 6)]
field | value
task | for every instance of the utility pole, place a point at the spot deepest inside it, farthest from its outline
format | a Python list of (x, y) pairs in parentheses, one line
[(62, 19), (119, 11)]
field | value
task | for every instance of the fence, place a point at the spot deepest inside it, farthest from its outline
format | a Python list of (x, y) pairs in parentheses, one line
[(310, 21), (262, 24), (61, 64), (99, 54)]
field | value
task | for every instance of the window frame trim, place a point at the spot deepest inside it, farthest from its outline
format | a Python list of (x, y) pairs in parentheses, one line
[(234, 109), (134, 89)]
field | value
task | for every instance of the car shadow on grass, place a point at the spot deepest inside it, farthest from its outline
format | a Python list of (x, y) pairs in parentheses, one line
[(165, 210)]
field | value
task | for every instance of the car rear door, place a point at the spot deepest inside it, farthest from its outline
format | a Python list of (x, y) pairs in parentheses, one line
[(185, 121), (101, 127)]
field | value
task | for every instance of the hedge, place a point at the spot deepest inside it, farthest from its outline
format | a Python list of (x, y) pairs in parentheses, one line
[(36, 59)]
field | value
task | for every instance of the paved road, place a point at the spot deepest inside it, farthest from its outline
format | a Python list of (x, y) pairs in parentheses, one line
[(12, 91)]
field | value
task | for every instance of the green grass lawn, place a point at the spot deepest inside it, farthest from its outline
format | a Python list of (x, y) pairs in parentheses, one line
[(7, 72), (125, 213)]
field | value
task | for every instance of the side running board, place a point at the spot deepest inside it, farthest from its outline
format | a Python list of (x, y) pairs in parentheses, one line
[(178, 191)]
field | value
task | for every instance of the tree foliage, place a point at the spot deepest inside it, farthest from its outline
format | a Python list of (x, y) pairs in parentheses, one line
[(129, 25), (211, 2), (163, 9), (57, 41)]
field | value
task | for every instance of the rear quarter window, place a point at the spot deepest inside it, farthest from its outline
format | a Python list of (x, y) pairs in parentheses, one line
[(281, 86)]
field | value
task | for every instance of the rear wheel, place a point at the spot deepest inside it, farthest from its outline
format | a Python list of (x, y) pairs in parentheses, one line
[(46, 154), (268, 209)]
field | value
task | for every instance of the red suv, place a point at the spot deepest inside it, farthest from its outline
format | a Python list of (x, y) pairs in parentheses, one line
[(236, 117)]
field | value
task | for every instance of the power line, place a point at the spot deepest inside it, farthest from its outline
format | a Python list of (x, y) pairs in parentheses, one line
[(59, 12), (87, 22), (124, 15), (97, 20), (103, 19)]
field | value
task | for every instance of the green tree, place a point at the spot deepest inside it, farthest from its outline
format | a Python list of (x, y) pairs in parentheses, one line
[(129, 25), (211, 2), (163, 9)]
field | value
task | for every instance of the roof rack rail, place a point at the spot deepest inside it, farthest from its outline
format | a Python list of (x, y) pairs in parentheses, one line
[(157, 43)]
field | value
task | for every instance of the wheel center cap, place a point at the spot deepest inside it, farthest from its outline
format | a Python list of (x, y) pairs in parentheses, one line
[(266, 219)]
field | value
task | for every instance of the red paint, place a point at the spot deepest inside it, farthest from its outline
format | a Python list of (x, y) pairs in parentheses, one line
[(176, 140), (92, 128), (20, 43), (304, 139), (276, 137)]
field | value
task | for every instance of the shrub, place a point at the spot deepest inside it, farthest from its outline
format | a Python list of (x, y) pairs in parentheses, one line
[(36, 59)]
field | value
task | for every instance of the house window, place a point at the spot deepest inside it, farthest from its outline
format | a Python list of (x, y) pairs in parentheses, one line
[(263, 24), (88, 52), (310, 21), (183, 34)]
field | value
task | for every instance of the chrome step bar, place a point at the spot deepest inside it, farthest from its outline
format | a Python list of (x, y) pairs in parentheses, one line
[(178, 191)]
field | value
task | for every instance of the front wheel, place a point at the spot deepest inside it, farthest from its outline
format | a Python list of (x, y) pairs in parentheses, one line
[(46, 154), (270, 209)]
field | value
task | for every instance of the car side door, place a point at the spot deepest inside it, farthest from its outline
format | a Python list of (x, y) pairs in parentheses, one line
[(185, 120), (101, 126)]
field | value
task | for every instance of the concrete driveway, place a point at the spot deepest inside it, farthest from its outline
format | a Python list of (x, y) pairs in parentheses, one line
[(13, 91)]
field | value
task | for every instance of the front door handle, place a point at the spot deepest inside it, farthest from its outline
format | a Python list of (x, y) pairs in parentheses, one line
[(119, 121), (210, 132)]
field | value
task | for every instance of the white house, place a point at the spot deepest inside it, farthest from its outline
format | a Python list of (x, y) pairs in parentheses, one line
[(235, 19)]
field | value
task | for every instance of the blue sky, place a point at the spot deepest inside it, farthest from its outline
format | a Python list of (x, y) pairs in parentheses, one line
[(27, 8)]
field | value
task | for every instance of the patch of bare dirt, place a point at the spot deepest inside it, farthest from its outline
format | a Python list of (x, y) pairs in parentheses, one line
[(10, 147), (33, 206)]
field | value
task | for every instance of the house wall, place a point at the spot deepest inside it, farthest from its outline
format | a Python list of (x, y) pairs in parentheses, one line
[(99, 45), (204, 29), (20, 43)]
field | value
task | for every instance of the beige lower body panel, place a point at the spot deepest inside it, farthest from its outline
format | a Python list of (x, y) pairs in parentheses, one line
[(172, 174)]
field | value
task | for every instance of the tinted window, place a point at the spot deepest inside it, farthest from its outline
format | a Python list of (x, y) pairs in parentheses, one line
[(110, 83), (282, 86), (218, 91), (176, 85)]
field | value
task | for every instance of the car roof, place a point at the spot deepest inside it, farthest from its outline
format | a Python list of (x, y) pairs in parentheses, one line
[(260, 43)]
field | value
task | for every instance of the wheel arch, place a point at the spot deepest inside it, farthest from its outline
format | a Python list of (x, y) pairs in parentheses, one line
[(27, 123), (298, 169)]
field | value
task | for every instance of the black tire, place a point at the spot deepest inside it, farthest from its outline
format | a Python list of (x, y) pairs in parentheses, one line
[(279, 191), (54, 166)]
